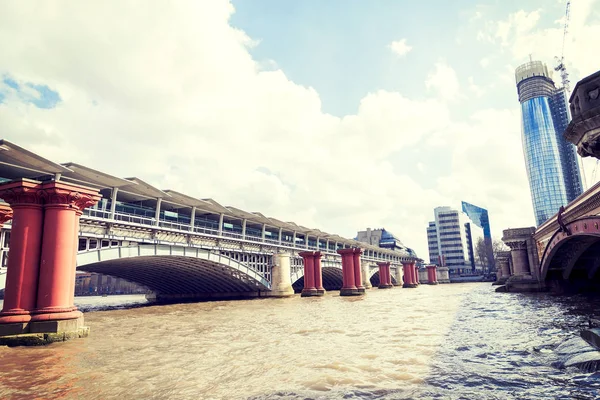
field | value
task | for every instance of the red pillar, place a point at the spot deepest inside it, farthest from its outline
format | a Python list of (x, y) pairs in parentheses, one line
[(309, 274), (63, 205), (318, 274), (416, 274), (408, 275), (431, 275), (435, 273), (357, 270), (348, 286), (25, 199), (384, 275)]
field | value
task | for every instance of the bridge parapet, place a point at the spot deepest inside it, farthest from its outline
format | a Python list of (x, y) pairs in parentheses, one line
[(584, 130)]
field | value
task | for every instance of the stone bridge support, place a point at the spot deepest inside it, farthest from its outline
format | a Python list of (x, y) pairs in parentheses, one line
[(399, 279), (442, 275), (502, 267), (524, 260), (40, 278), (281, 285), (366, 280), (409, 274), (431, 275), (385, 279)]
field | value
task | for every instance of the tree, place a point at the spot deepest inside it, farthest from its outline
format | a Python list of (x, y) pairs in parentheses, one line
[(482, 253), (497, 247), (487, 252)]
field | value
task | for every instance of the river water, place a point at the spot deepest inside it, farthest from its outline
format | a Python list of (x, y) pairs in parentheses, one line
[(457, 341)]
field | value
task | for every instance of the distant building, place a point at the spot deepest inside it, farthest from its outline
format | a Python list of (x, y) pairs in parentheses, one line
[(452, 237), (551, 161), (92, 284), (480, 217), (383, 239)]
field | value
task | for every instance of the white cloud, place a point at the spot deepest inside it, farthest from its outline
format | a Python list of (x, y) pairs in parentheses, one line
[(476, 89), (171, 94), (399, 47), (444, 81), (520, 35)]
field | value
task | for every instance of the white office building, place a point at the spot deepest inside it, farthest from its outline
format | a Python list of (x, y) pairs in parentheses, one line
[(452, 239)]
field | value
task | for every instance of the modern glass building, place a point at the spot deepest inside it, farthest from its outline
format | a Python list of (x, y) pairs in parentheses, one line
[(551, 161), (481, 218)]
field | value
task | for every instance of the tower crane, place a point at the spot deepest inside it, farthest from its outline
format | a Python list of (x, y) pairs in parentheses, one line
[(564, 75)]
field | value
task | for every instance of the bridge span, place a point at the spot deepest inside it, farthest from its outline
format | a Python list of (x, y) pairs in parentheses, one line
[(59, 218)]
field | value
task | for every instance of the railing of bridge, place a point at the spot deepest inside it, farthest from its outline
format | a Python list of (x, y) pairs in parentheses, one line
[(136, 220)]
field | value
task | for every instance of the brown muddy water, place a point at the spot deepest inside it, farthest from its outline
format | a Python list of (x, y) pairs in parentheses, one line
[(457, 341)]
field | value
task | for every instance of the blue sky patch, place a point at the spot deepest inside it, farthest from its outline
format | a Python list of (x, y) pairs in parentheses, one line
[(39, 95)]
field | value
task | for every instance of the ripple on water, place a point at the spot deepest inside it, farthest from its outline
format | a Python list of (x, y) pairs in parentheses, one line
[(474, 344)]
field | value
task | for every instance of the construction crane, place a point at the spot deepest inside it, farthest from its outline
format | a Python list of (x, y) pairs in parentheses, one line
[(564, 75)]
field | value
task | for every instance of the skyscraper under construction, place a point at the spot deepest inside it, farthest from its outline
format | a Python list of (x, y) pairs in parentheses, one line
[(551, 161)]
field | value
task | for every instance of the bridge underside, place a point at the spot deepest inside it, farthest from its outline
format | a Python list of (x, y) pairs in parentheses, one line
[(574, 265), (332, 280), (375, 280), (177, 278)]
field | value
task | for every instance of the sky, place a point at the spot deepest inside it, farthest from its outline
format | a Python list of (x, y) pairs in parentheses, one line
[(337, 115)]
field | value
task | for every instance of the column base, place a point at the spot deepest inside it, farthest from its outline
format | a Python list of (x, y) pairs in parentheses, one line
[(15, 317), (42, 332), (523, 284), (279, 293), (361, 289), (310, 293), (410, 285), (500, 281), (432, 283), (350, 292), (321, 292), (44, 315), (385, 286)]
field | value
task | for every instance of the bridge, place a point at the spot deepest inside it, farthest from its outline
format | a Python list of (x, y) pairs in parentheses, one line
[(562, 254), (59, 218)]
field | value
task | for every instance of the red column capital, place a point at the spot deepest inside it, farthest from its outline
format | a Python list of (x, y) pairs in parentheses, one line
[(345, 251), (22, 192), (67, 195)]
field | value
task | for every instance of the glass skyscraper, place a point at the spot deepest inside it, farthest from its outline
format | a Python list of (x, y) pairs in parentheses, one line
[(479, 216), (551, 161)]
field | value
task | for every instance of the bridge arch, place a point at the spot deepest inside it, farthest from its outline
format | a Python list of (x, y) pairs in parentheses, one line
[(572, 253), (374, 278), (332, 278), (175, 272)]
